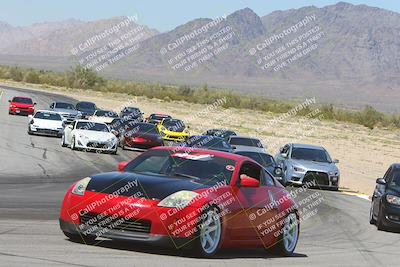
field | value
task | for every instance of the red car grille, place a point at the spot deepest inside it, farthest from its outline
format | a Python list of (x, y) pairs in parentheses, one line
[(116, 224)]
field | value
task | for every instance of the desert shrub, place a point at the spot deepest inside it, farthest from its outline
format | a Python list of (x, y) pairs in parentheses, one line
[(31, 76), (79, 77)]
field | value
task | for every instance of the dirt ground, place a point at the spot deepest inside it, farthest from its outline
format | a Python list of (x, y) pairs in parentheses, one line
[(364, 154)]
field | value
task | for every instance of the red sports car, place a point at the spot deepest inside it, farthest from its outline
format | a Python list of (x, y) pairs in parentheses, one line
[(21, 105), (203, 200), (141, 136)]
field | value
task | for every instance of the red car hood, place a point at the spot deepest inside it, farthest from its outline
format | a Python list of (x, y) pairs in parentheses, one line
[(21, 105)]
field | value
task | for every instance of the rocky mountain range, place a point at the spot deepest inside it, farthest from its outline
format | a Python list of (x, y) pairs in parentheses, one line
[(343, 54)]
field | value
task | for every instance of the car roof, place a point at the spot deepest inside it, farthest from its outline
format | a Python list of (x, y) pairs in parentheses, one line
[(244, 137), (47, 111), (85, 102), (211, 152), (207, 136), (90, 121), (22, 97), (307, 146), (246, 150)]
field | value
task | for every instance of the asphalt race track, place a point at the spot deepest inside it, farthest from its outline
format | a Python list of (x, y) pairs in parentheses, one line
[(36, 171)]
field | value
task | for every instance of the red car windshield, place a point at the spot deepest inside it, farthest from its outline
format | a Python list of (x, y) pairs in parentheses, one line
[(22, 100), (201, 166)]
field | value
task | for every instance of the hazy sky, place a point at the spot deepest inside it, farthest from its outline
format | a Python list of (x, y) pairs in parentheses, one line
[(162, 14)]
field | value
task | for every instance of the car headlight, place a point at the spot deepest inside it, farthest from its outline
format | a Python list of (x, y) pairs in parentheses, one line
[(80, 187), (393, 199), (178, 200), (298, 169)]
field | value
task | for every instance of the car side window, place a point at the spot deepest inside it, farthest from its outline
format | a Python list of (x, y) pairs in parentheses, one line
[(387, 174), (267, 179), (285, 149), (250, 170)]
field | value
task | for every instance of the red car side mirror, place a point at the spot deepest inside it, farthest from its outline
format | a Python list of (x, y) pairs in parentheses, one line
[(249, 182), (122, 165)]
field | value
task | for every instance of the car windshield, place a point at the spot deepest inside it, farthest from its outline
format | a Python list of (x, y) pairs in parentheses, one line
[(92, 126), (207, 142), (204, 167), (220, 133), (263, 159), (106, 113), (64, 106), (22, 100), (243, 141), (142, 128), (131, 110), (48, 116), (158, 117), (311, 154), (174, 125), (86, 105)]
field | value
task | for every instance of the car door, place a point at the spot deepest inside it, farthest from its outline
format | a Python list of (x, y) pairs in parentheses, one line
[(250, 210), (380, 190)]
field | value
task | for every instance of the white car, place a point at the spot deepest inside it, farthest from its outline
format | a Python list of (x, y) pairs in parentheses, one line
[(46, 122), (89, 135), (104, 116)]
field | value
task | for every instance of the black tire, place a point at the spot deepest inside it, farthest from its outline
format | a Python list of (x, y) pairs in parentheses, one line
[(279, 248), (371, 214), (198, 248), (73, 144), (380, 221), (63, 144), (80, 238)]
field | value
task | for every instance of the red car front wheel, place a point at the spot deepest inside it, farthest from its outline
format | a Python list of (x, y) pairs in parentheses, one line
[(209, 237)]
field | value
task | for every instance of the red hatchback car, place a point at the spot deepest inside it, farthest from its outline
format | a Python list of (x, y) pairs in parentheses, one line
[(186, 198), (21, 105)]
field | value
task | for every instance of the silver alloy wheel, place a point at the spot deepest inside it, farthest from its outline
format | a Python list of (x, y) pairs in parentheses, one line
[(210, 233), (290, 232)]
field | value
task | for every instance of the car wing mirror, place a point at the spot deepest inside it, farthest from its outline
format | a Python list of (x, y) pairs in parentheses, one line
[(122, 165), (35, 104), (335, 161), (247, 181), (9, 101), (284, 155), (381, 181)]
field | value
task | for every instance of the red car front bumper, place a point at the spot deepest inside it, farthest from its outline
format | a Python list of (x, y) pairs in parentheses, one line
[(102, 215), (23, 111)]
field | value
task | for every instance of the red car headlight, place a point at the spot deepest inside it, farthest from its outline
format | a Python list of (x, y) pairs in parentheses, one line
[(178, 200), (80, 187)]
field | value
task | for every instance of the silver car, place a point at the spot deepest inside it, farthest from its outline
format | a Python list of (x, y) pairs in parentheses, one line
[(66, 110), (306, 163)]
